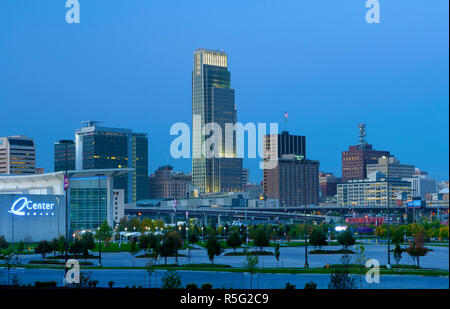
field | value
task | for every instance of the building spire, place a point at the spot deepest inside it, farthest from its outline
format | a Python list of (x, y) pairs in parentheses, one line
[(285, 120)]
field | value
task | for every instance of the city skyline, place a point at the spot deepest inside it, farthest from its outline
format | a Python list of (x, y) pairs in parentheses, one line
[(371, 82)]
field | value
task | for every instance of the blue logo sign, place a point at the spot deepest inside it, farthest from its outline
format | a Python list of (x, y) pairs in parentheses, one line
[(22, 206)]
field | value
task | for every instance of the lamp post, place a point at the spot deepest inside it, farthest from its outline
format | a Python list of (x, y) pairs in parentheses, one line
[(389, 224), (99, 223), (306, 226), (285, 222), (66, 190)]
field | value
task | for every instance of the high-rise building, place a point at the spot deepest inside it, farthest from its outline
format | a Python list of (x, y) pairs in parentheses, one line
[(278, 145), (213, 107), (391, 167), (64, 155), (245, 176), (356, 158), (99, 147), (294, 181), (167, 184), (17, 155)]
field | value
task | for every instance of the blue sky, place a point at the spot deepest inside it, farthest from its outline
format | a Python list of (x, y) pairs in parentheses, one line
[(129, 64)]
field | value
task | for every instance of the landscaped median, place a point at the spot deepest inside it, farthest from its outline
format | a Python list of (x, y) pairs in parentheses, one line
[(401, 270)]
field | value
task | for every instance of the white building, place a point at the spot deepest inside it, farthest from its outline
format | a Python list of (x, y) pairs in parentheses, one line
[(422, 185), (90, 193), (374, 191)]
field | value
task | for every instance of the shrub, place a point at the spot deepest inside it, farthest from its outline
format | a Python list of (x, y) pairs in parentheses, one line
[(207, 286)]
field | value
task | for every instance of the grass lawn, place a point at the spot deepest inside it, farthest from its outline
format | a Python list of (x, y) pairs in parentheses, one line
[(282, 270)]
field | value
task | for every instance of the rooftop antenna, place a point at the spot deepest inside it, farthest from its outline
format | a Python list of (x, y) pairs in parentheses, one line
[(285, 120), (362, 135)]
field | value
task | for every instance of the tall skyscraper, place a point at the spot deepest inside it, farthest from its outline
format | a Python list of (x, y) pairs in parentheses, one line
[(356, 158), (213, 103), (64, 155), (17, 155), (99, 147)]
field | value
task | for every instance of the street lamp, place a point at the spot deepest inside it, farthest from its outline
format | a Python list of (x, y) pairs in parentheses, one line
[(305, 223), (99, 218), (66, 189), (389, 223)]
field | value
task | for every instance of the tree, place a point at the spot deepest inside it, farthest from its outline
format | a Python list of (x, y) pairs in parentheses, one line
[(144, 242), (20, 246), (171, 280), (311, 285), (251, 265), (262, 237), (346, 239), (171, 244), (193, 234), (213, 247), (289, 286), (133, 250), (149, 268), (155, 246), (397, 253), (234, 240), (191, 286), (134, 224), (105, 232), (398, 236), (206, 286), (380, 231), (43, 248), (318, 238), (277, 253), (443, 232), (417, 249), (61, 244), (341, 278), (76, 248), (360, 260), (54, 245), (3, 243), (87, 243), (10, 261)]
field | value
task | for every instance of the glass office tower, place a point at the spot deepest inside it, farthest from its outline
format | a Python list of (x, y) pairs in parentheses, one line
[(99, 147), (213, 102), (64, 156)]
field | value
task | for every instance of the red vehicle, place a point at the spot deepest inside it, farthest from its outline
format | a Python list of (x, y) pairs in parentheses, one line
[(365, 220)]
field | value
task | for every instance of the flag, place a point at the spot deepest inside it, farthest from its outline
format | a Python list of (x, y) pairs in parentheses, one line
[(285, 115), (175, 204), (66, 182)]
